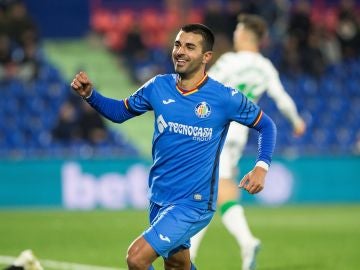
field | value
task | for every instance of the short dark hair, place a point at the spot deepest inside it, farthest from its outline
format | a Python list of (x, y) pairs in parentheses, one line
[(204, 31), (254, 23)]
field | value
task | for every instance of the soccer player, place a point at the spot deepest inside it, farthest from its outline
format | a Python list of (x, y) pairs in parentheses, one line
[(192, 116), (251, 74)]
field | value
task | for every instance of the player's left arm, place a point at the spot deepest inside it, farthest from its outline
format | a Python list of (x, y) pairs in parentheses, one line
[(254, 181), (245, 112)]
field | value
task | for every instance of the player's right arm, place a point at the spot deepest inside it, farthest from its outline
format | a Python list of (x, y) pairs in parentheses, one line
[(82, 85), (115, 110), (284, 102)]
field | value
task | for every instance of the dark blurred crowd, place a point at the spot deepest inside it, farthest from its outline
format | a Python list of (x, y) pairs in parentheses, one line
[(19, 48), (314, 44), (319, 37), (78, 121), (304, 36), (38, 112)]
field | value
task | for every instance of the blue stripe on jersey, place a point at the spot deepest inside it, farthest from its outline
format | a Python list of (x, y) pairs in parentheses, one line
[(215, 169)]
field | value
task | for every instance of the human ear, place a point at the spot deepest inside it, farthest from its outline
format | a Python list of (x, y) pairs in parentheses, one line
[(207, 57)]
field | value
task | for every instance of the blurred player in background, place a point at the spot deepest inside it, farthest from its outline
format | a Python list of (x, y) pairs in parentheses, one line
[(192, 117), (252, 74)]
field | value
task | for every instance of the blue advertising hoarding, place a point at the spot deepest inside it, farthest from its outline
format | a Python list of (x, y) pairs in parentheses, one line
[(120, 184)]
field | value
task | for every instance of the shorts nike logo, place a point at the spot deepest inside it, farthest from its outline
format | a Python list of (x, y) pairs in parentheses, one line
[(164, 238), (168, 101)]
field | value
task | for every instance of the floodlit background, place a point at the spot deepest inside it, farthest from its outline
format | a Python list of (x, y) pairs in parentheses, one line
[(73, 186)]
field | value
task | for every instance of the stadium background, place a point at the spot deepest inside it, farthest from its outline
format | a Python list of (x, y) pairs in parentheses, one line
[(61, 192)]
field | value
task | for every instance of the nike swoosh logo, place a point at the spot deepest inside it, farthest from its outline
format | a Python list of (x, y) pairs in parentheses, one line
[(168, 101), (164, 238)]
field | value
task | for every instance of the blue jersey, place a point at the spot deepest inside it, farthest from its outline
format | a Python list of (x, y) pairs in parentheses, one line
[(189, 132)]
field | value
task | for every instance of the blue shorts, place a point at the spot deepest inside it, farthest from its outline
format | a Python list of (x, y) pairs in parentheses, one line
[(172, 226)]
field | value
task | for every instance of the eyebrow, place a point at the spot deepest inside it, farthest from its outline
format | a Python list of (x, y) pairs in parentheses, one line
[(188, 44)]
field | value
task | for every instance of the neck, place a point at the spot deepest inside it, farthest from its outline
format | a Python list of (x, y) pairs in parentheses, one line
[(249, 47), (191, 81)]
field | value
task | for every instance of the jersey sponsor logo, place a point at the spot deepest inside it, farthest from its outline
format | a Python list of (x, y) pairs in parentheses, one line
[(168, 101), (202, 110), (164, 238), (197, 133), (197, 197)]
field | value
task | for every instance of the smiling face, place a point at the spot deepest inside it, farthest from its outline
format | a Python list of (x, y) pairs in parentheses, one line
[(188, 56)]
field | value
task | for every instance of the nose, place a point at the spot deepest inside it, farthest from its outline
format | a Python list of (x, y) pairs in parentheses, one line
[(179, 50)]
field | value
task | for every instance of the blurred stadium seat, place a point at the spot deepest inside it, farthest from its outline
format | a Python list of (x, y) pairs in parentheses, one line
[(28, 113), (330, 103)]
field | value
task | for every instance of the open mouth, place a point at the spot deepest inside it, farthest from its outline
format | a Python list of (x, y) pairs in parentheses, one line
[(180, 62)]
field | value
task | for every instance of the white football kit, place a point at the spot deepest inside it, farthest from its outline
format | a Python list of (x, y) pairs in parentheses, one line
[(253, 75)]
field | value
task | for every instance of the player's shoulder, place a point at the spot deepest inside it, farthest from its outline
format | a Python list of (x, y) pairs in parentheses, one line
[(220, 88), (213, 83), (170, 77), (227, 57), (160, 79), (266, 62)]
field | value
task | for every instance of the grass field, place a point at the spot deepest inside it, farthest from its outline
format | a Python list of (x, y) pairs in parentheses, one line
[(293, 237)]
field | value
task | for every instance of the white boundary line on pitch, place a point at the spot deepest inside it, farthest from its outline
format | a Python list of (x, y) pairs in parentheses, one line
[(61, 265)]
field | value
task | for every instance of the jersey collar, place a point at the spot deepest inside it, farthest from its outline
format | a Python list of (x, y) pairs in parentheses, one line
[(193, 90)]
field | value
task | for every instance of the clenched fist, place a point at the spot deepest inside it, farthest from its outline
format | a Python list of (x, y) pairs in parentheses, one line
[(82, 85)]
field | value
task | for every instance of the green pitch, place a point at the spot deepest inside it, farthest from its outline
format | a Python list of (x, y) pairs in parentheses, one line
[(293, 237)]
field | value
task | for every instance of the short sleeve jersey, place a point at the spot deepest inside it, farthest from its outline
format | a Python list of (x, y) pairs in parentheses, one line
[(189, 131)]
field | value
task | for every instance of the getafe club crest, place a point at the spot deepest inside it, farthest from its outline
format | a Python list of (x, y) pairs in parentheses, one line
[(202, 110)]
